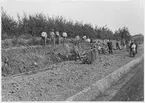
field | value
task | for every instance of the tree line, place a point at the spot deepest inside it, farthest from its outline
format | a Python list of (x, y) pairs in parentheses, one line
[(33, 25)]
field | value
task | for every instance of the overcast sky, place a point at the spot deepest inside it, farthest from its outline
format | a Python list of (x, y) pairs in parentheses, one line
[(115, 14)]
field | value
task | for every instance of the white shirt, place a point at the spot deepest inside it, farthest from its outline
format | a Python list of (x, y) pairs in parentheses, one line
[(57, 33), (84, 37), (64, 34), (99, 47), (88, 40), (133, 47), (44, 34), (77, 38)]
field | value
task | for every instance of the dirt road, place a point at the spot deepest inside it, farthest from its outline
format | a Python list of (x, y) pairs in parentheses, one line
[(133, 90), (62, 80)]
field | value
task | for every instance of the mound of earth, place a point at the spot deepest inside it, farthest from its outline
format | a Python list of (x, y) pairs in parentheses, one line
[(24, 60), (18, 61)]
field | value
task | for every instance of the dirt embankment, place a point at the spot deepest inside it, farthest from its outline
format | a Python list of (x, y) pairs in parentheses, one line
[(133, 90), (62, 80)]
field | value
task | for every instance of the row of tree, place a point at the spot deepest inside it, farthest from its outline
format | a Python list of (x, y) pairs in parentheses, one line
[(33, 25)]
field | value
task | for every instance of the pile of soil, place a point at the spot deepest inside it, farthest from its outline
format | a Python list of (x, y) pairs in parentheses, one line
[(24, 60)]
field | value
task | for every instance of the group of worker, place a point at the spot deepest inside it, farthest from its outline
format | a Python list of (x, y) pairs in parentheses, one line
[(103, 47), (84, 38), (130, 46), (133, 48), (55, 37)]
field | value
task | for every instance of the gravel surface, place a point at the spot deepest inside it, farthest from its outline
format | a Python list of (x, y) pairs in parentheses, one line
[(62, 80)]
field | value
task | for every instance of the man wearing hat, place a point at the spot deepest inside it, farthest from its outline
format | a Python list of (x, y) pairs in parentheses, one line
[(88, 40), (132, 48), (84, 38), (64, 34), (110, 46), (57, 36), (136, 45), (43, 38), (52, 34)]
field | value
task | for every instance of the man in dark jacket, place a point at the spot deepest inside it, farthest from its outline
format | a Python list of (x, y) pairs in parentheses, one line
[(110, 47), (91, 40), (117, 45), (136, 45), (130, 47), (57, 36)]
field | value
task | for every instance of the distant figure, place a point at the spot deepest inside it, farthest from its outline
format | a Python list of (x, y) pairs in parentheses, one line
[(57, 36), (136, 45), (104, 42), (43, 38), (77, 38), (99, 47), (84, 38), (52, 34), (91, 40), (123, 43), (127, 45), (64, 34), (88, 40), (129, 42), (76, 52), (110, 46), (117, 45), (132, 49), (104, 48), (98, 43)]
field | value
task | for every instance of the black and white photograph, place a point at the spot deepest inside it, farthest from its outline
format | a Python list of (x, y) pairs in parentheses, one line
[(72, 50)]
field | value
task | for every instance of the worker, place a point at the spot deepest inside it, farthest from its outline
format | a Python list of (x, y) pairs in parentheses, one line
[(88, 40), (52, 34), (77, 40), (64, 34), (133, 49), (117, 45), (110, 46), (57, 36), (84, 38), (43, 38), (136, 45), (91, 40)]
